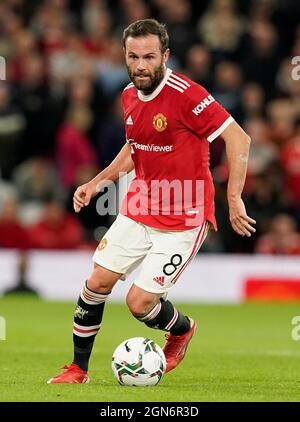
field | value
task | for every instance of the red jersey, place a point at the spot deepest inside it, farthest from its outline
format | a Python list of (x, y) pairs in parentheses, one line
[(169, 132)]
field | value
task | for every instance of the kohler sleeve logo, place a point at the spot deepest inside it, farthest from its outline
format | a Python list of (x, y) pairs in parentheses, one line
[(204, 103)]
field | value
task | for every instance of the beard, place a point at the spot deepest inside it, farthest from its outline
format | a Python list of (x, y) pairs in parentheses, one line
[(149, 84)]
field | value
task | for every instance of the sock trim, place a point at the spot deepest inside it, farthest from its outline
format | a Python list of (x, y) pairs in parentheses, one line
[(82, 331), (152, 314), (90, 297), (173, 321)]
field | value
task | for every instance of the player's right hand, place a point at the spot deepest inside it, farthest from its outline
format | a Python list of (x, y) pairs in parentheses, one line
[(82, 196)]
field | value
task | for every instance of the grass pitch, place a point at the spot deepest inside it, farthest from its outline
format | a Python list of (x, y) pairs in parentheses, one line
[(239, 353)]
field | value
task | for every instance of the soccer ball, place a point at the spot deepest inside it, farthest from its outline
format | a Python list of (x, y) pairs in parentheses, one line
[(138, 362)]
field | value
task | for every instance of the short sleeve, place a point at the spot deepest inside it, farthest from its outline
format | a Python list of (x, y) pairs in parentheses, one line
[(202, 114)]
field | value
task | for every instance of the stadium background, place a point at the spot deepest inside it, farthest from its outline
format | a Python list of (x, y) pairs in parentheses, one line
[(61, 122)]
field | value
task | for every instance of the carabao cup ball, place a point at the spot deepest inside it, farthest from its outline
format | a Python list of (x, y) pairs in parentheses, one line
[(139, 362)]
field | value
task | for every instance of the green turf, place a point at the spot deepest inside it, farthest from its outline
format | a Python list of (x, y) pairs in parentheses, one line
[(239, 353)]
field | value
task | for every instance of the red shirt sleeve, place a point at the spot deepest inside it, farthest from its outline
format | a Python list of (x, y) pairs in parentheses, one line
[(201, 113)]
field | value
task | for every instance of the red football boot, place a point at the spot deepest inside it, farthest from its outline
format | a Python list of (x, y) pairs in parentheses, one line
[(73, 374), (176, 346)]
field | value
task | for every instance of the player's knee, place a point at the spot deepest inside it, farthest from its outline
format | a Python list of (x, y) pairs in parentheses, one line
[(102, 280), (138, 310), (138, 307), (98, 285)]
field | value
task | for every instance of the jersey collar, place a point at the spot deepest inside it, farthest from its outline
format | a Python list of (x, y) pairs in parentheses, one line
[(157, 90)]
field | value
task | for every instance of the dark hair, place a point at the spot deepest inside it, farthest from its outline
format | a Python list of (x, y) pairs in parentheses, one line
[(145, 27)]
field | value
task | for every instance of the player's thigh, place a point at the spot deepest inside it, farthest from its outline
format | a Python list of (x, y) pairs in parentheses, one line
[(171, 253), (123, 246)]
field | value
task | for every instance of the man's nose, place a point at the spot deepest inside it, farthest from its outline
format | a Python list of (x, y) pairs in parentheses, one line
[(141, 65)]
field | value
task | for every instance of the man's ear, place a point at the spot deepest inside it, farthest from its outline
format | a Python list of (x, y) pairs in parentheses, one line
[(166, 55)]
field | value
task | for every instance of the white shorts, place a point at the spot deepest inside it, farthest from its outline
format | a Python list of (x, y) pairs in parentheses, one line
[(163, 254)]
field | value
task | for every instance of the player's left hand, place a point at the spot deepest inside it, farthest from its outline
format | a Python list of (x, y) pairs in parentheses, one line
[(241, 223)]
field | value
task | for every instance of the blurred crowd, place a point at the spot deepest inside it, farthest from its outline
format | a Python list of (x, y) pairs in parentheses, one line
[(61, 119)]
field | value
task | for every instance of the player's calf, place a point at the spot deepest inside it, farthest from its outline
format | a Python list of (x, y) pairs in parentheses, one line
[(166, 317), (87, 321)]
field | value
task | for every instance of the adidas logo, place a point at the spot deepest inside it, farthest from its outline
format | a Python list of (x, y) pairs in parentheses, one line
[(129, 121), (159, 280)]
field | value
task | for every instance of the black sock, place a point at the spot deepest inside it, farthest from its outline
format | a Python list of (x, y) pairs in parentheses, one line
[(165, 317), (87, 321)]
